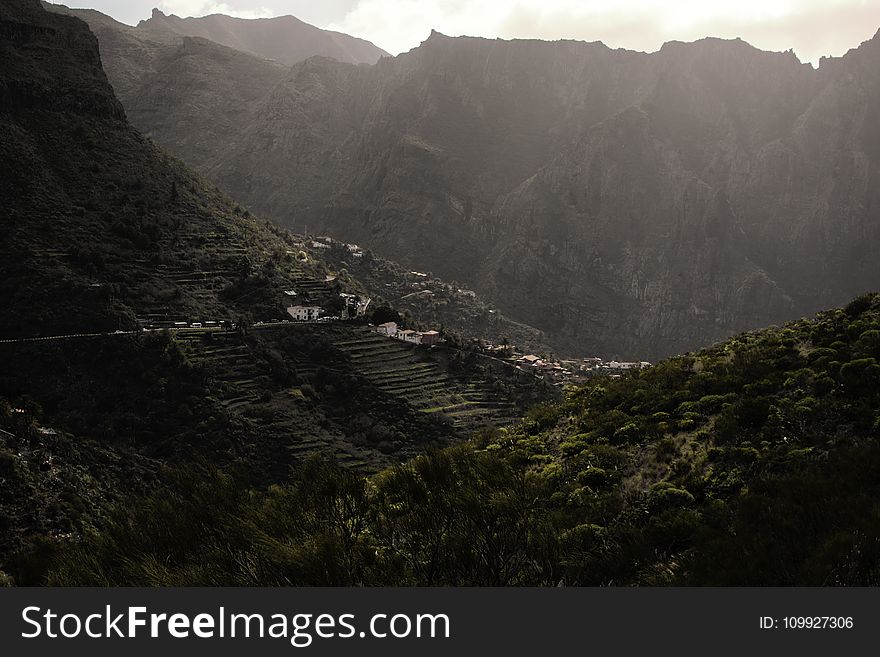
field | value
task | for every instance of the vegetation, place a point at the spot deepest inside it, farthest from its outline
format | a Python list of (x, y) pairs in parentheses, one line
[(752, 462), (101, 232), (152, 458)]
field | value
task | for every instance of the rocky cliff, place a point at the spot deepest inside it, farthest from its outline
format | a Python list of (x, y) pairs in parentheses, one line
[(625, 203)]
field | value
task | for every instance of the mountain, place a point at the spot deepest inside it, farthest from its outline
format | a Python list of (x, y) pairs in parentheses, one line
[(251, 451), (623, 203), (107, 246), (752, 463), (285, 39)]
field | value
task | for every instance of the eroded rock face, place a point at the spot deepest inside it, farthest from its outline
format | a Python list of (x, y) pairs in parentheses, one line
[(625, 203), (45, 60)]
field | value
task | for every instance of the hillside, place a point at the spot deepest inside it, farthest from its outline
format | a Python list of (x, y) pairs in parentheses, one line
[(143, 327), (753, 462), (429, 301), (626, 204)]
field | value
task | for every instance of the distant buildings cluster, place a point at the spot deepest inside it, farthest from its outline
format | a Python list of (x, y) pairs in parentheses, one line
[(594, 364), (561, 371), (324, 242), (391, 330), (301, 309)]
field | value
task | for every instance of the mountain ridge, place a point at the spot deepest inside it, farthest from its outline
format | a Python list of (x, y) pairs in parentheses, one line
[(285, 39), (496, 163)]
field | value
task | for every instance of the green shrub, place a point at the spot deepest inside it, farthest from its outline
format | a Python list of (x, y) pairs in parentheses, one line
[(593, 477), (665, 496)]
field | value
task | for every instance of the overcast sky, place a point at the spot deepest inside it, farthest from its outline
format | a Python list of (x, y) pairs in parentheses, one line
[(811, 27)]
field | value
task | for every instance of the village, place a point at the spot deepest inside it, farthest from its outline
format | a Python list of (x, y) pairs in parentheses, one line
[(556, 371), (559, 372), (572, 370), (322, 301)]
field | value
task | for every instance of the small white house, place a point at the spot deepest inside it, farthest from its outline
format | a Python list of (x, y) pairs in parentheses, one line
[(388, 328), (408, 335), (305, 313)]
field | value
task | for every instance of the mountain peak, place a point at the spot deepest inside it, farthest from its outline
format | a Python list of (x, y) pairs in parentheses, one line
[(284, 39)]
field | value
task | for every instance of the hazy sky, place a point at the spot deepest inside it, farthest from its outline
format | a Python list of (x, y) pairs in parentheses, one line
[(811, 27)]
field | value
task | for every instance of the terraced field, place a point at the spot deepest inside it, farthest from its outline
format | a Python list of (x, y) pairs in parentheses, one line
[(364, 399), (408, 372), (201, 282), (281, 415)]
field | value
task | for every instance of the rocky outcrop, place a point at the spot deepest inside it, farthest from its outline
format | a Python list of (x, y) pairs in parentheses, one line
[(61, 67)]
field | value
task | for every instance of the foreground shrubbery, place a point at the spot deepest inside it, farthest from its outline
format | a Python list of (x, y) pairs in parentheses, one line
[(753, 462)]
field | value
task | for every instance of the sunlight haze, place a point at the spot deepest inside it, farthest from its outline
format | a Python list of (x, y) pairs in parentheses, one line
[(812, 28)]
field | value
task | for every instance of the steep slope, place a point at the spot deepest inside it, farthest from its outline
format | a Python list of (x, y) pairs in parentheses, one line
[(752, 463), (624, 203), (101, 234), (430, 301)]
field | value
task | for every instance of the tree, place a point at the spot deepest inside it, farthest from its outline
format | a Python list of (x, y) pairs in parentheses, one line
[(384, 313)]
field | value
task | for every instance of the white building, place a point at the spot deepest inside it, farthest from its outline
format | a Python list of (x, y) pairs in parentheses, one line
[(305, 313), (418, 337), (388, 328), (408, 335)]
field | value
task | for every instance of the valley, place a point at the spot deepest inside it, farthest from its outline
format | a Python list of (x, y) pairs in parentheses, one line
[(443, 379), (624, 204)]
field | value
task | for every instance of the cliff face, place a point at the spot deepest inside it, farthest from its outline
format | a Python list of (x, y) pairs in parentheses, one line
[(51, 61), (98, 226), (625, 203)]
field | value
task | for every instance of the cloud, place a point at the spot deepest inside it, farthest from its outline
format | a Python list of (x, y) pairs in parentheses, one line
[(812, 28), (205, 7)]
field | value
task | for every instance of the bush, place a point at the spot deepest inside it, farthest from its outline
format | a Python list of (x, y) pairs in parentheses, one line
[(861, 376), (593, 477), (628, 433), (665, 496)]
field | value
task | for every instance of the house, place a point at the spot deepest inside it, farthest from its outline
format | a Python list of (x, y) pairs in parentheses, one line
[(430, 337), (408, 335), (320, 245), (619, 366), (305, 313), (388, 329), (528, 359)]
